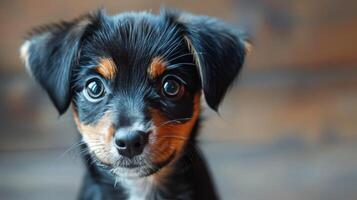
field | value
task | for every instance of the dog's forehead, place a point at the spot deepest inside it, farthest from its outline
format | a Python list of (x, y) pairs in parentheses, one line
[(133, 42), (136, 35)]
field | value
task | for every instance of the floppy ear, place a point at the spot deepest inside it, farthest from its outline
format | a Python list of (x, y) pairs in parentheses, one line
[(50, 52), (219, 52)]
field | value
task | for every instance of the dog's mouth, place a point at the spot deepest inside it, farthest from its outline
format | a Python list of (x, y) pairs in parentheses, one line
[(136, 167)]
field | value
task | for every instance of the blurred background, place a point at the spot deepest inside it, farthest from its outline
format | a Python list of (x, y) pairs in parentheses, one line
[(286, 130)]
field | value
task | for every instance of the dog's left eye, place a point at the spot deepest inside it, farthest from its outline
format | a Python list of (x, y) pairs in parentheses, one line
[(94, 89), (172, 88)]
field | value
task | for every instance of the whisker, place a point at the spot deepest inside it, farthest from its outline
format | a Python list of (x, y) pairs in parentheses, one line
[(73, 147), (178, 120), (174, 66), (182, 55), (173, 136)]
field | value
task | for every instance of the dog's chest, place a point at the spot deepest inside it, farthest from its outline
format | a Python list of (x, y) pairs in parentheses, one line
[(138, 189)]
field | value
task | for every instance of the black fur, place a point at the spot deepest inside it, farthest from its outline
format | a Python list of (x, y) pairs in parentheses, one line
[(53, 52), (201, 52), (220, 53)]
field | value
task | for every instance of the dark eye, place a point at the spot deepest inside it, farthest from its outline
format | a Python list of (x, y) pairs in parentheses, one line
[(94, 89), (172, 88)]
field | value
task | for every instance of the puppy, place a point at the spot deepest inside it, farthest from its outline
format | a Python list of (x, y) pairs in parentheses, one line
[(135, 81)]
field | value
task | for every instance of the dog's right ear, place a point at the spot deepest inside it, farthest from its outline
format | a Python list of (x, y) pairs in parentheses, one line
[(218, 49), (50, 52)]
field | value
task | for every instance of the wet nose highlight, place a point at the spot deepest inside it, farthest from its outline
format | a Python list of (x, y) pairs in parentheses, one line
[(131, 144)]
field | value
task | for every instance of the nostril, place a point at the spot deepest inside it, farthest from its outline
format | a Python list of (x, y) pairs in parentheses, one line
[(137, 145), (138, 141), (121, 144)]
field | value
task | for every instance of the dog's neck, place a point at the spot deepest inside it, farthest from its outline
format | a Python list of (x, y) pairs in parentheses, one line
[(138, 188), (149, 187), (174, 181), (167, 183)]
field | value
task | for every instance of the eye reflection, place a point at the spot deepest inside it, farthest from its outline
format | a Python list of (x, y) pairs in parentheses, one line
[(172, 88), (94, 89)]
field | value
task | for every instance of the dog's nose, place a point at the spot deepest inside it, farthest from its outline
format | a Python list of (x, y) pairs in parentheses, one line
[(131, 144)]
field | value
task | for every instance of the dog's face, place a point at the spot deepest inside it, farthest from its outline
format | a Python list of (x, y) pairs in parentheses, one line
[(135, 81)]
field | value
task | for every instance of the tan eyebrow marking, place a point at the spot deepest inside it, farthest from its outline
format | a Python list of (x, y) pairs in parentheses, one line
[(106, 68), (157, 67)]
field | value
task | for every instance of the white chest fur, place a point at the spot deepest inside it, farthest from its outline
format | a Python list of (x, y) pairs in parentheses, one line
[(138, 188)]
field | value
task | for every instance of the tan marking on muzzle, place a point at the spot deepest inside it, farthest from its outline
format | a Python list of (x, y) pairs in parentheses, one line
[(97, 136), (174, 135)]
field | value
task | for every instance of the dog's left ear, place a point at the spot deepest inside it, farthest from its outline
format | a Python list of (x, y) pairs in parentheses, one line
[(219, 52), (50, 52)]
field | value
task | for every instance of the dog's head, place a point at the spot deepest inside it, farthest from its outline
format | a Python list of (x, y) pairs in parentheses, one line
[(135, 80)]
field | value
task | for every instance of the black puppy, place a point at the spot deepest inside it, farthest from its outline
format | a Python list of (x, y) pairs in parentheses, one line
[(135, 82)]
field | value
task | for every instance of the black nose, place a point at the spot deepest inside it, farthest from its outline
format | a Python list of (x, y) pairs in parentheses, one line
[(131, 144)]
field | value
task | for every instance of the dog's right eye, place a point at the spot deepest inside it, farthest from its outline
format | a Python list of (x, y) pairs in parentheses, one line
[(94, 90), (172, 87)]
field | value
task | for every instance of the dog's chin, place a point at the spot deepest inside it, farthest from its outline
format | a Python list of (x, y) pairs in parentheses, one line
[(133, 173), (138, 168)]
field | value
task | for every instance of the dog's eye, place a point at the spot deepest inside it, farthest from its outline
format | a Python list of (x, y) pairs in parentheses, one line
[(172, 88), (94, 89)]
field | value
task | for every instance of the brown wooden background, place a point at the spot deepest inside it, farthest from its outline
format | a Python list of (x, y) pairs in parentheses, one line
[(287, 129)]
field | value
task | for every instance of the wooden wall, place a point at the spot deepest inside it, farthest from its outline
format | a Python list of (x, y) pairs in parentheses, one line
[(300, 79)]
